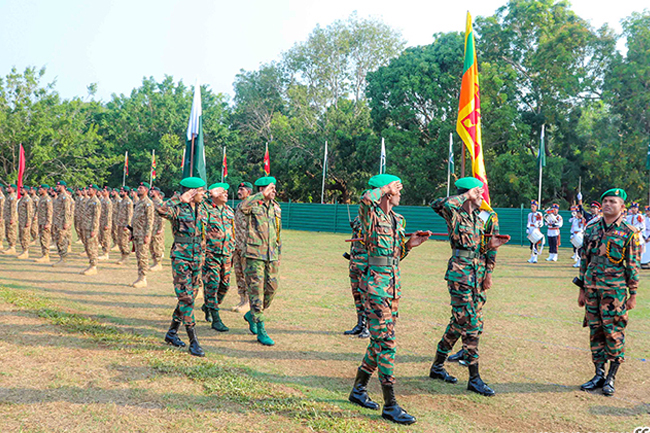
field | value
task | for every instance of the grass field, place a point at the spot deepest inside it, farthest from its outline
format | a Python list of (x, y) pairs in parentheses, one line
[(85, 354)]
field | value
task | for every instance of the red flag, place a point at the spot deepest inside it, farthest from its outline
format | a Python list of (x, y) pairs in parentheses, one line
[(21, 169), (225, 164), (126, 163), (153, 165), (267, 161)]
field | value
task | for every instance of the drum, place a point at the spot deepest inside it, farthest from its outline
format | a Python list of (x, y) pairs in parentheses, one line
[(535, 236), (577, 239)]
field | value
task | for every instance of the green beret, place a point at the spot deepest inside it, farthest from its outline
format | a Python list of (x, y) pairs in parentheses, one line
[(61, 182), (70, 190), (382, 179), (145, 184), (614, 192), (126, 188), (468, 183), (45, 186), (155, 188), (219, 185), (264, 181), (193, 182), (94, 186), (246, 185), (13, 185)]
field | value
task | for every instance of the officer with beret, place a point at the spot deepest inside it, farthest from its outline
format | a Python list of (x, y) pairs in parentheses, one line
[(124, 217), (157, 248), (62, 222), (44, 221), (142, 224), (34, 228), (25, 220), (11, 219), (244, 190), (91, 219), (609, 269)]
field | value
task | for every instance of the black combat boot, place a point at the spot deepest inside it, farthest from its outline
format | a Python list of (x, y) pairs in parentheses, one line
[(206, 311), (195, 349), (392, 411), (456, 357), (608, 387), (217, 324), (359, 327), (172, 335), (438, 369), (359, 394), (365, 333), (598, 380), (476, 384)]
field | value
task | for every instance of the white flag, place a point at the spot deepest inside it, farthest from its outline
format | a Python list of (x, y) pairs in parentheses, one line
[(195, 114), (382, 158)]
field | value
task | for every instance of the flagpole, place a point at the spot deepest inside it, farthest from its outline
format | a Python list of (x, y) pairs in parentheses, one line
[(126, 159), (451, 143), (222, 159), (151, 169), (539, 192), (192, 157), (322, 191)]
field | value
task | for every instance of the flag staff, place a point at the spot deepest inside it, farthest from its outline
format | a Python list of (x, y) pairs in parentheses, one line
[(222, 164), (126, 164), (322, 191), (541, 158), (449, 162), (153, 153)]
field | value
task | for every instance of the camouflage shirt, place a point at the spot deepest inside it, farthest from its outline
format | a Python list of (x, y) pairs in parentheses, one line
[(157, 219), (143, 218), (611, 256), (264, 223), (465, 234), (45, 211), (358, 248), (116, 207), (219, 233), (62, 209), (106, 219), (25, 210), (91, 214), (35, 200), (188, 228), (125, 212), (241, 228), (11, 208), (488, 257)]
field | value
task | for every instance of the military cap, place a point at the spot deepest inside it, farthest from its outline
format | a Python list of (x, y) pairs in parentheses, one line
[(145, 184), (380, 180), (534, 202), (264, 181), (13, 185), (61, 182), (70, 190), (155, 188), (126, 188), (192, 182), (595, 204), (219, 185), (634, 204), (45, 186), (614, 192), (92, 185), (647, 208), (466, 183), (246, 185), (555, 206)]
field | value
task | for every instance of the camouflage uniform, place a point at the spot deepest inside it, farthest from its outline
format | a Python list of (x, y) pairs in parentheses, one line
[(157, 246), (187, 253), (142, 225), (11, 219), (91, 216), (63, 215), (114, 227), (78, 217), (487, 262), (263, 248), (238, 255), (124, 216), (25, 216), (465, 235), (105, 225), (358, 268), (219, 244), (609, 268), (45, 212), (34, 227)]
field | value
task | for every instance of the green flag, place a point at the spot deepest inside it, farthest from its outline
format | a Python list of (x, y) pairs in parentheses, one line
[(541, 155), (647, 159), (194, 163)]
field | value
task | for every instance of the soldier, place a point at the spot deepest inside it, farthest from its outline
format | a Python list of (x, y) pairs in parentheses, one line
[(608, 270), (11, 219), (105, 223), (62, 222), (124, 216), (2, 219), (238, 256), (25, 218), (357, 270), (78, 210), (44, 220), (188, 216), (635, 219), (554, 222), (157, 248), (466, 231), (91, 216), (142, 227), (34, 228), (219, 245), (134, 196), (577, 222), (535, 222), (263, 247), (385, 239), (594, 209), (645, 240)]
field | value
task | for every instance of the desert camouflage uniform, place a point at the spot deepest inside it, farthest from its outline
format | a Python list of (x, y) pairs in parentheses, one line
[(114, 227), (79, 203), (187, 253), (25, 216), (45, 212), (219, 245), (11, 219), (609, 267), (157, 247), (90, 219), (142, 225), (105, 225), (358, 267), (63, 215), (238, 255), (34, 228), (465, 235), (124, 216)]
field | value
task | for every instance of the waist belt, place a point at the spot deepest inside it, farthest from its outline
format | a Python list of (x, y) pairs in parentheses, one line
[(187, 239), (465, 253), (600, 260), (383, 261)]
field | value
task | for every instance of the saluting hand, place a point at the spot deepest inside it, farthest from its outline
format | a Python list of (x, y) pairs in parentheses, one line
[(188, 195), (392, 188)]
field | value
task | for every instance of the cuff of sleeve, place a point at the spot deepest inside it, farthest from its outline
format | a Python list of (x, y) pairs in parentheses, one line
[(632, 291)]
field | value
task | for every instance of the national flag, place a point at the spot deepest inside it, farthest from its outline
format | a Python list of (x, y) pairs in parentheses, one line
[(126, 163), (224, 166), (541, 153), (647, 159), (267, 161), (194, 159), (451, 154), (153, 165), (382, 158), (468, 124), (21, 169)]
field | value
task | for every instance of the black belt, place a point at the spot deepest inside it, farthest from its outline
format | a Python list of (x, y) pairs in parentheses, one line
[(599, 260), (187, 239), (465, 253)]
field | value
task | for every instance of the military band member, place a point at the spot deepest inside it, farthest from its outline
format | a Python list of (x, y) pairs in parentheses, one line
[(44, 220), (11, 219), (554, 222), (244, 190), (634, 218), (535, 222), (142, 227), (25, 219), (645, 240), (594, 209), (577, 222)]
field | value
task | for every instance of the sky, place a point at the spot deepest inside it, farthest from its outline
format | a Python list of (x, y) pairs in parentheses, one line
[(115, 43)]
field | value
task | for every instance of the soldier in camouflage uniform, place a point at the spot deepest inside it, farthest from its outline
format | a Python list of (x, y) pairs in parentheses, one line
[(263, 246), (383, 233), (34, 228), (124, 217), (105, 223), (188, 216), (78, 211), (609, 268), (62, 222), (466, 231), (45, 214), (115, 199), (219, 245), (357, 269), (238, 256), (90, 218), (11, 219), (142, 227), (25, 218), (157, 248)]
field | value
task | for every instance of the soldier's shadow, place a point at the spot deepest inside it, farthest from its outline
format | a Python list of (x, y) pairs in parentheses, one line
[(639, 409)]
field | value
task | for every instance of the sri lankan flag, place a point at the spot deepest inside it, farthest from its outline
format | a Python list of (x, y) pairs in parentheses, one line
[(468, 125)]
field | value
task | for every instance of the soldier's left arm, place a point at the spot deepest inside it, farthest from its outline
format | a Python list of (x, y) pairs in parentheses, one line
[(492, 228), (97, 216), (49, 213)]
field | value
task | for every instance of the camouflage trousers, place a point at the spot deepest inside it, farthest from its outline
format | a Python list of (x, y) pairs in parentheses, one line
[(358, 268), (2, 231), (157, 247), (34, 229), (105, 240), (79, 230), (216, 279), (142, 256), (123, 235), (239, 261), (61, 238), (186, 275), (466, 320), (24, 235), (11, 233), (606, 316), (45, 239), (380, 354), (262, 283), (114, 229), (92, 246)]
